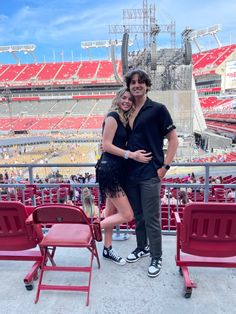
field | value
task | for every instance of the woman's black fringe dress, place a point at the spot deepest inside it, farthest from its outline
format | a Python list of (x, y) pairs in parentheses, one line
[(110, 169)]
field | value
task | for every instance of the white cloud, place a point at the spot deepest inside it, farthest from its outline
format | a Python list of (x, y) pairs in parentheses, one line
[(50, 23)]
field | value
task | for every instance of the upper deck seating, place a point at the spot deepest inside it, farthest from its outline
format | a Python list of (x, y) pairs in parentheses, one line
[(105, 69), (58, 72), (11, 72), (212, 58), (3, 68), (30, 72), (88, 69), (68, 71), (49, 71)]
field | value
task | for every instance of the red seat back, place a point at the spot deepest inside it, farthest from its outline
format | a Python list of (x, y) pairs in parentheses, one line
[(59, 213), (15, 234), (220, 194), (63, 192), (209, 229)]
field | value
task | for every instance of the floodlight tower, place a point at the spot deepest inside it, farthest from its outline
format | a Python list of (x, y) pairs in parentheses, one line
[(19, 48), (102, 44), (212, 31), (109, 44)]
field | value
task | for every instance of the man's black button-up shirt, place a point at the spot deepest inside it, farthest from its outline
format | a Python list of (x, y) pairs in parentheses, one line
[(151, 125)]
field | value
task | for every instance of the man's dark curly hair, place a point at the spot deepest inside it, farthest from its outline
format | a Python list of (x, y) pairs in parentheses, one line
[(143, 76)]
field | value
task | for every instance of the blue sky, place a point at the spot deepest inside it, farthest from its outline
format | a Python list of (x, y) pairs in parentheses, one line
[(58, 27)]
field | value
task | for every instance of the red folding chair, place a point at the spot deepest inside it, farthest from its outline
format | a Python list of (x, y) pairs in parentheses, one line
[(206, 237), (18, 237), (70, 227)]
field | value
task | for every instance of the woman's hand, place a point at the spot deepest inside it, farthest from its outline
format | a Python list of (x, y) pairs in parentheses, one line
[(141, 156)]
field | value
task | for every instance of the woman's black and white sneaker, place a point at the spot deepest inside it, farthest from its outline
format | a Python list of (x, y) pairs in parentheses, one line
[(155, 267), (111, 254), (137, 254)]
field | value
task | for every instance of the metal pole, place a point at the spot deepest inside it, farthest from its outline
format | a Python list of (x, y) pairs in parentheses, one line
[(118, 236), (7, 95)]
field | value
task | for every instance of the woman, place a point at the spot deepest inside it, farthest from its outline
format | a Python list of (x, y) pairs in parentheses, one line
[(183, 198), (89, 207), (111, 169)]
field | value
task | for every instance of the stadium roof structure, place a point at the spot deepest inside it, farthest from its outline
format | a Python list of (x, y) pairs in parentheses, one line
[(212, 30)]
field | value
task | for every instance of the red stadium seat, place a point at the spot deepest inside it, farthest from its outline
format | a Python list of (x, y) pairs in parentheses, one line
[(18, 237), (220, 194), (70, 228), (206, 237)]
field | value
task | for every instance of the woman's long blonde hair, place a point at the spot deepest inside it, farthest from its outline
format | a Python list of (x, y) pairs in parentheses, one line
[(124, 116), (88, 202)]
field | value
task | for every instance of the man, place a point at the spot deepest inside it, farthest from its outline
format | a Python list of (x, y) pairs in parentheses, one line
[(149, 124)]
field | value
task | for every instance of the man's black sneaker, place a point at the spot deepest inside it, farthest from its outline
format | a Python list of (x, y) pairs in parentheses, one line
[(111, 254), (155, 267), (137, 254)]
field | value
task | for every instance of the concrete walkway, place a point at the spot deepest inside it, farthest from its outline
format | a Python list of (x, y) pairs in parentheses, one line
[(121, 289)]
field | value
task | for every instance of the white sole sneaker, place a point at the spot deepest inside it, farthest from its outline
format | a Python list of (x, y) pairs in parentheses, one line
[(111, 255), (155, 268), (122, 262), (134, 257), (154, 275)]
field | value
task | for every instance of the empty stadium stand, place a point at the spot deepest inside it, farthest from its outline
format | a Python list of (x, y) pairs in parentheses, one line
[(80, 110), (209, 60), (58, 73), (216, 99)]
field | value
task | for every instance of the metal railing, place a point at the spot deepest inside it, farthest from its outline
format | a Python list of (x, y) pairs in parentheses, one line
[(20, 191)]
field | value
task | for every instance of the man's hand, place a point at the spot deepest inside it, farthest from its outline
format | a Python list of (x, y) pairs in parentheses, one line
[(161, 172)]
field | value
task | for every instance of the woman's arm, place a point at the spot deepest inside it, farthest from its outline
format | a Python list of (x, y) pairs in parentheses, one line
[(109, 131)]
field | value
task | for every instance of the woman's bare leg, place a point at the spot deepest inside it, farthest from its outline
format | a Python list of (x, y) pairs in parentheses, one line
[(124, 211), (118, 210), (109, 210)]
